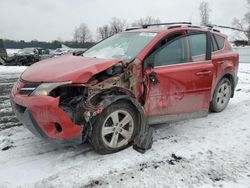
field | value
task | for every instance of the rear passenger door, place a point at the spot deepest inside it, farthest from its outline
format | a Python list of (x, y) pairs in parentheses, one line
[(220, 60), (181, 79)]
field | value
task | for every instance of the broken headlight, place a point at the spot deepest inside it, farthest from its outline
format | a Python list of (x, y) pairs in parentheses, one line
[(45, 88)]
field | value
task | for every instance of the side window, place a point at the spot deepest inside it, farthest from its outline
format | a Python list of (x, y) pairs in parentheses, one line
[(214, 44), (220, 41), (198, 47), (172, 53), (165, 41)]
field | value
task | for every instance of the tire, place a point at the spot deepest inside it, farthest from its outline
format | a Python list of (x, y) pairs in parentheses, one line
[(221, 96), (110, 133)]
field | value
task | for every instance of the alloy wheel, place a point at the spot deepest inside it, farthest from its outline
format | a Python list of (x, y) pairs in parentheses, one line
[(223, 94), (117, 129)]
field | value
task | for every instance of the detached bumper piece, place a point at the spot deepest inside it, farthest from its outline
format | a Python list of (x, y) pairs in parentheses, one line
[(26, 118), (145, 141)]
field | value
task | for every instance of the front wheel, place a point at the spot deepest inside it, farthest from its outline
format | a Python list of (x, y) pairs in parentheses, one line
[(221, 96), (115, 128)]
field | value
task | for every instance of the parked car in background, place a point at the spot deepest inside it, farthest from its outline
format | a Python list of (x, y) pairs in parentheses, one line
[(27, 56), (113, 91), (61, 51)]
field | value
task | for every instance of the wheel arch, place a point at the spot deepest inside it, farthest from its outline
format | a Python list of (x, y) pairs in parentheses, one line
[(142, 119), (231, 77), (126, 98)]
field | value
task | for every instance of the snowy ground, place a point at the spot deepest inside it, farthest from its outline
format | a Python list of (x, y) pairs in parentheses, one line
[(206, 152)]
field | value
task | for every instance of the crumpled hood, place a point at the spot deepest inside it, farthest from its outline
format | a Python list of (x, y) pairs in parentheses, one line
[(77, 69)]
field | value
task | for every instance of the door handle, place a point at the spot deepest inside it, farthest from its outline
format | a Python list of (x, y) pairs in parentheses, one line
[(203, 73)]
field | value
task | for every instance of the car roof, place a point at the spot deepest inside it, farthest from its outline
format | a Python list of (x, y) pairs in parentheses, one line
[(176, 28)]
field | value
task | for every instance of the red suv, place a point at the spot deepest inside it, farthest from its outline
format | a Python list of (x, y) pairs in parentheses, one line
[(110, 93)]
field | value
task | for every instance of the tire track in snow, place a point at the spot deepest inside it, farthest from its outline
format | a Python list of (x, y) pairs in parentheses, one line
[(7, 117)]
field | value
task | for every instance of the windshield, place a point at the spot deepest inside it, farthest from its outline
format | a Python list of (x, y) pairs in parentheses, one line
[(122, 45)]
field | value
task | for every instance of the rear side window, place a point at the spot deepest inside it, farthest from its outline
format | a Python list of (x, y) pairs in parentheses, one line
[(214, 44), (220, 41), (198, 46)]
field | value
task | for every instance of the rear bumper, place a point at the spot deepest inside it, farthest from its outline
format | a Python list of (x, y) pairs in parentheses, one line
[(42, 115)]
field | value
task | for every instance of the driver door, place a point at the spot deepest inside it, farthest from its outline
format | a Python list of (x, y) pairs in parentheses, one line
[(181, 78)]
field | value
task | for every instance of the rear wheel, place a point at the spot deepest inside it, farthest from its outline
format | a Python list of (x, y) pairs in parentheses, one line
[(115, 128), (221, 96)]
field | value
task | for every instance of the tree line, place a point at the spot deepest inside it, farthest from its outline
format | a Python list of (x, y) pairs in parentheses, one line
[(83, 34), (83, 38), (242, 24), (12, 44)]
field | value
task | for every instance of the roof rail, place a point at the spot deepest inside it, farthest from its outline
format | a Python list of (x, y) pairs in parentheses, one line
[(132, 28), (178, 24), (225, 27), (204, 27), (170, 23)]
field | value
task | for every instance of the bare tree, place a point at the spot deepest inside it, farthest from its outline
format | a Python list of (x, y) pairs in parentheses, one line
[(76, 34), (146, 20), (117, 25), (244, 23), (82, 33), (204, 12), (103, 32)]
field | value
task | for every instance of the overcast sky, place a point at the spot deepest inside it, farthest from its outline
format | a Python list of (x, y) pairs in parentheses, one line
[(56, 19)]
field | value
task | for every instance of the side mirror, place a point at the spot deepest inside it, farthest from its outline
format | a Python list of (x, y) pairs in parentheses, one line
[(153, 78)]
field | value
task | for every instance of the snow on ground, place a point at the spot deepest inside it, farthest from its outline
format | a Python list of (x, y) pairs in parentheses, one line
[(11, 69), (208, 152), (7, 72)]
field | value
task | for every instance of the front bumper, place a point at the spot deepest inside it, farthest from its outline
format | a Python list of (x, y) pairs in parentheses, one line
[(42, 116)]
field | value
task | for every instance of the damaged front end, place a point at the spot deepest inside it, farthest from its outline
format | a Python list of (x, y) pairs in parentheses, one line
[(65, 110), (84, 102)]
